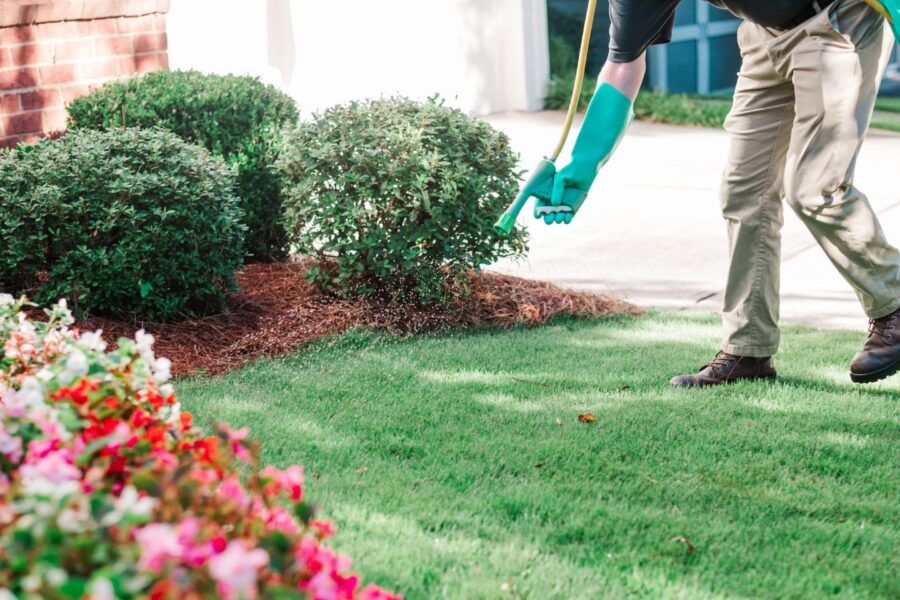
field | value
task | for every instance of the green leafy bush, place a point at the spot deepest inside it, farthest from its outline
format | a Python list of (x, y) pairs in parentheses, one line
[(239, 118), (134, 222), (398, 197), (659, 107)]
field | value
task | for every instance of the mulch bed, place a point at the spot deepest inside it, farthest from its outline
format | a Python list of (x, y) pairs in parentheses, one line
[(277, 310)]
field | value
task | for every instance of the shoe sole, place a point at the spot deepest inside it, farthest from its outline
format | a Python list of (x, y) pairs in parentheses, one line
[(882, 373)]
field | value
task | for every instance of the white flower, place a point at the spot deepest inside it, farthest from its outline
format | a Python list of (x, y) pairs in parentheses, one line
[(143, 343), (32, 393), (129, 504), (76, 366), (76, 517), (56, 577), (166, 390), (7, 300), (101, 589), (5, 594), (93, 340), (162, 370)]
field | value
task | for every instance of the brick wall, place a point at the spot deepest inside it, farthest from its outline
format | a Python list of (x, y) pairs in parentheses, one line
[(52, 51)]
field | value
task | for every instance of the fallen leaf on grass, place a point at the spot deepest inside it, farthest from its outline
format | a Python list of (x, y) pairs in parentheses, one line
[(362, 470), (587, 418), (624, 388), (559, 422), (687, 543), (539, 465)]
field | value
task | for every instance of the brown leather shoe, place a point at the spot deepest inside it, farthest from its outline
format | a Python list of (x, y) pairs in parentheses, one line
[(727, 368), (880, 355)]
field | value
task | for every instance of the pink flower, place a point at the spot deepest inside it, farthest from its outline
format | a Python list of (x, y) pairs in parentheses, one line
[(235, 440), (236, 569), (231, 488), (159, 545), (14, 403), (55, 468), (290, 480), (325, 529), (10, 446), (281, 520), (330, 585), (376, 593)]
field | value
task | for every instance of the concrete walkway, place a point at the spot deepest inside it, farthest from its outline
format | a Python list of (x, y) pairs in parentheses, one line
[(652, 233)]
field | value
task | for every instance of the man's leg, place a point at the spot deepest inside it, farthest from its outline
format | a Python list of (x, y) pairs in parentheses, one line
[(836, 67), (759, 127)]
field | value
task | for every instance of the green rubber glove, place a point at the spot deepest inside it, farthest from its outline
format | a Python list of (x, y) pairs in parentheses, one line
[(891, 11), (607, 118)]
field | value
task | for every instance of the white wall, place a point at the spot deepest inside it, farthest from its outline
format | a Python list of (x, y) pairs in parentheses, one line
[(484, 56)]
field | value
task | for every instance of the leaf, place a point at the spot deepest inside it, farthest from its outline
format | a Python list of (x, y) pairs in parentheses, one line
[(361, 470), (687, 543), (559, 422), (587, 418)]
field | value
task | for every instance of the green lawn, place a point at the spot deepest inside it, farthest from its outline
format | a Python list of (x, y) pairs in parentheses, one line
[(455, 465)]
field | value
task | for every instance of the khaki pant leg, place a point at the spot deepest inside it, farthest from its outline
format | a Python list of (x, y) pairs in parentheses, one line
[(759, 128), (835, 62)]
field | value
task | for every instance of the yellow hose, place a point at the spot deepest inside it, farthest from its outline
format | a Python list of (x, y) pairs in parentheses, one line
[(579, 78), (881, 9)]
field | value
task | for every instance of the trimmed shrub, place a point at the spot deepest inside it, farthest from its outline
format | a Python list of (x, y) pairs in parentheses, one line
[(109, 490), (134, 222), (239, 118), (398, 197)]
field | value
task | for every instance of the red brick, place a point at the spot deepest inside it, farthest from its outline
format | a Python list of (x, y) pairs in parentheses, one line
[(145, 63), (100, 69), (153, 42), (142, 63), (58, 74), (53, 120), (73, 50), (11, 141), (16, 78), (163, 60), (33, 54), (143, 24), (28, 122), (66, 29), (5, 58), (17, 35), (112, 46), (38, 99), (9, 103), (160, 23), (76, 91)]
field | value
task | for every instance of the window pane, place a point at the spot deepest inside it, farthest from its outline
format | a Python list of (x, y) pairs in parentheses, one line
[(725, 62), (682, 67), (687, 13)]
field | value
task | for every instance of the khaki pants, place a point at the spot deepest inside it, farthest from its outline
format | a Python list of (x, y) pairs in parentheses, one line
[(803, 103)]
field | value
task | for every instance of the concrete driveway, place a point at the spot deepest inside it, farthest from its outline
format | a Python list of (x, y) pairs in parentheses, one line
[(652, 233)]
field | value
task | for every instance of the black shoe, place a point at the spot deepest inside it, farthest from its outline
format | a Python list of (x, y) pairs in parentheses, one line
[(727, 368), (880, 355)]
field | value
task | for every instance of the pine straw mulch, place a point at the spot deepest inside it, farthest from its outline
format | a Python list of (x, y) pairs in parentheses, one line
[(277, 310)]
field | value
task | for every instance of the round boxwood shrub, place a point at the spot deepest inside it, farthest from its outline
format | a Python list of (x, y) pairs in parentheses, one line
[(135, 222), (398, 197), (239, 118)]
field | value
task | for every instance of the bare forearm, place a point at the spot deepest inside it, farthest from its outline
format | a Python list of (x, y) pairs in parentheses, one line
[(625, 77)]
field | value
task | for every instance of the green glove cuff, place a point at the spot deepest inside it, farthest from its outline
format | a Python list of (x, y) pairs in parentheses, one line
[(891, 11), (605, 123)]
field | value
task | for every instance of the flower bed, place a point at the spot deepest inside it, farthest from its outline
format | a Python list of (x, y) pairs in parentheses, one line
[(109, 490)]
